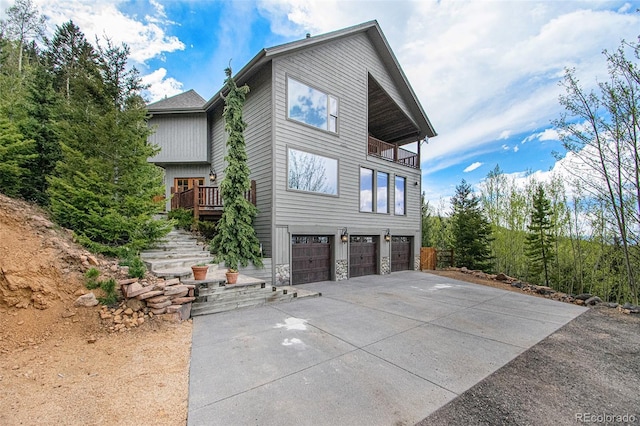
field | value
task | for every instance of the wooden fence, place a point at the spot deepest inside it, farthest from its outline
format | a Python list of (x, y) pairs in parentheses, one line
[(432, 258)]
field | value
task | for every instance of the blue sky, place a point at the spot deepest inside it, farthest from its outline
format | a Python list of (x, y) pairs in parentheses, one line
[(486, 72)]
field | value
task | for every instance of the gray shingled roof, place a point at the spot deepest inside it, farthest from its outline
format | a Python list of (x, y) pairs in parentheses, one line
[(189, 100)]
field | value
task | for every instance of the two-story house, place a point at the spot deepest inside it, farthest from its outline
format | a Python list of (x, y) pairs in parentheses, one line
[(333, 143)]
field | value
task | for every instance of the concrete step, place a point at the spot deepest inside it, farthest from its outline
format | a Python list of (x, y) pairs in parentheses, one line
[(186, 262), (212, 308), (174, 254)]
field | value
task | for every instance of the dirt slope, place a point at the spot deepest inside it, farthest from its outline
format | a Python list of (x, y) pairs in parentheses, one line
[(59, 364)]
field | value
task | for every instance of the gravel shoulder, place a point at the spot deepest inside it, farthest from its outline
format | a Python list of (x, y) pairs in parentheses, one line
[(586, 372)]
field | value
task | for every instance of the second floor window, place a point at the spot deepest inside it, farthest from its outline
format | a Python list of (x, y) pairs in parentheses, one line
[(311, 106)]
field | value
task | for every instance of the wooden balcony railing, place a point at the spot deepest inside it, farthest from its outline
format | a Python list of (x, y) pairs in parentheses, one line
[(207, 200), (392, 152)]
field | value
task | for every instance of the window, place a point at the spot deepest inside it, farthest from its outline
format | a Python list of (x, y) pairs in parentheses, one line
[(400, 196), (312, 173), (382, 193), (182, 184), (311, 106), (366, 190), (374, 193)]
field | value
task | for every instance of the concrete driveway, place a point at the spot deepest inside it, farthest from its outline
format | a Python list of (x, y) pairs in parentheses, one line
[(375, 350)]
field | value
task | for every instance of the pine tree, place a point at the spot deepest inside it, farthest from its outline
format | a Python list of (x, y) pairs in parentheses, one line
[(471, 231), (103, 189), (540, 239), (15, 153), (235, 242)]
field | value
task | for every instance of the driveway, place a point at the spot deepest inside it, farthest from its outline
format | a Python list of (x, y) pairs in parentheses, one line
[(375, 350)]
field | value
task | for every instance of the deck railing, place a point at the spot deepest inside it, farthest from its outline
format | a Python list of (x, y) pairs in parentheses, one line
[(206, 199), (392, 152)]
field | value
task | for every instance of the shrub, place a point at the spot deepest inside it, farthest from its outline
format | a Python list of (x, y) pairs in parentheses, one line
[(137, 268), (109, 288), (207, 229), (183, 218), (91, 277)]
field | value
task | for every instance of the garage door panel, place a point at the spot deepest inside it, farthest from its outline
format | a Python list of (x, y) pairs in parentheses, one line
[(310, 258), (363, 257), (401, 254)]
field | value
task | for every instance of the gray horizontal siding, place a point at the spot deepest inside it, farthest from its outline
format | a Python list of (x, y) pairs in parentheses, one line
[(182, 138), (341, 69)]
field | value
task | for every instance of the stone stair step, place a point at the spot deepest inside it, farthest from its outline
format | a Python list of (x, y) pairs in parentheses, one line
[(211, 308), (157, 265), (174, 273), (174, 254)]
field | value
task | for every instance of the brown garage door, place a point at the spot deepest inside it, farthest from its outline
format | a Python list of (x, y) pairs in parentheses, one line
[(311, 258), (363, 257), (401, 254)]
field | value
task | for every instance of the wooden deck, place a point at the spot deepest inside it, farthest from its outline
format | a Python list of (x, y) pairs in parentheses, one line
[(205, 201), (392, 152)]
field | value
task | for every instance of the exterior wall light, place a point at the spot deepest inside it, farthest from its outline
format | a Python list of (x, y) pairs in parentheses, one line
[(212, 174), (345, 235), (387, 236)]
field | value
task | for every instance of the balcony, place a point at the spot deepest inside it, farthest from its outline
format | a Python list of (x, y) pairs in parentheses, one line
[(206, 201), (392, 152)]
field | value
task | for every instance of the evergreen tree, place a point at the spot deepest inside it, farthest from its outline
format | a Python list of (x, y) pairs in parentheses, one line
[(103, 189), (540, 240), (235, 242), (471, 231), (40, 125), (15, 154)]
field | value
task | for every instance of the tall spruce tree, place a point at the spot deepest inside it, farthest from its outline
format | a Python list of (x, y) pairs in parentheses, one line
[(15, 154), (235, 242), (103, 188), (471, 230), (540, 240)]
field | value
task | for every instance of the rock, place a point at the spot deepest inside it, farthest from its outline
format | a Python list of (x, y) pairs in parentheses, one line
[(543, 289), (158, 299), (583, 296), (135, 289), (86, 300), (68, 314), (105, 315), (592, 301), (504, 277), (140, 321), (517, 284), (464, 269), (128, 311), (149, 294), (92, 339), (172, 281), (93, 261), (579, 302), (113, 268), (177, 291), (135, 305), (612, 305), (160, 311), (80, 292), (159, 305)]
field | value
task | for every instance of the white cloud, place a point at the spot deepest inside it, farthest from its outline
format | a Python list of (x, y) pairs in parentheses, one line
[(505, 134), (516, 148), (472, 167), (549, 134), (160, 86), (146, 37)]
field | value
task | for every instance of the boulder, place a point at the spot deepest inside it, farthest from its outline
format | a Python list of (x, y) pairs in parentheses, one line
[(583, 296), (86, 300), (135, 305), (592, 301)]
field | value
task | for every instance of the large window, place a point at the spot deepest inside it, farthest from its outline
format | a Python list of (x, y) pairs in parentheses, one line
[(311, 106), (382, 192), (312, 172), (374, 191), (400, 200), (366, 190)]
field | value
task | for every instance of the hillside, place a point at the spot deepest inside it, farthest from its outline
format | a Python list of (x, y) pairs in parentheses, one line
[(60, 363)]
